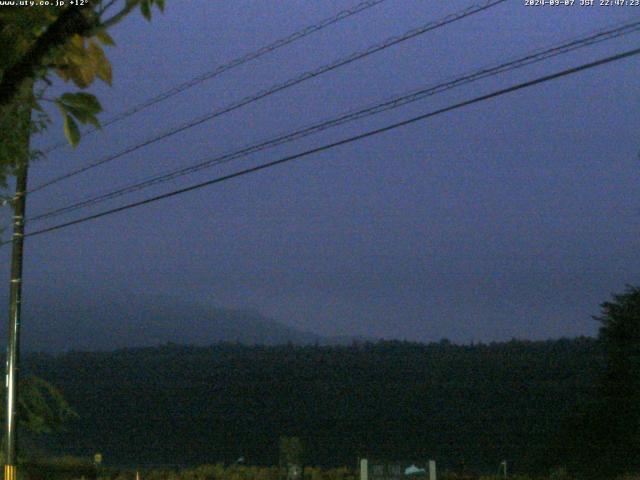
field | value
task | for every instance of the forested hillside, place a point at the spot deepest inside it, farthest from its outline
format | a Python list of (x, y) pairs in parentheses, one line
[(465, 406)]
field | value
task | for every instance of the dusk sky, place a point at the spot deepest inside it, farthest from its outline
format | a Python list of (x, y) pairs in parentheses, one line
[(513, 217)]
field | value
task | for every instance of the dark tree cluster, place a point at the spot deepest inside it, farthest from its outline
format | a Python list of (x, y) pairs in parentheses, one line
[(601, 437), (468, 407)]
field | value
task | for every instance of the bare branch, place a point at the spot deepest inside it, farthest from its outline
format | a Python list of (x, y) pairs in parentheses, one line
[(129, 6), (106, 7)]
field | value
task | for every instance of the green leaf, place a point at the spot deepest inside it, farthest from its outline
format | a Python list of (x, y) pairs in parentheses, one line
[(145, 8), (160, 4), (82, 101), (82, 74), (104, 73), (71, 130), (62, 107), (83, 116), (43, 407), (100, 62), (105, 38)]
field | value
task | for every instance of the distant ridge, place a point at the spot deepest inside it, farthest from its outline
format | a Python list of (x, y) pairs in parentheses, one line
[(57, 325)]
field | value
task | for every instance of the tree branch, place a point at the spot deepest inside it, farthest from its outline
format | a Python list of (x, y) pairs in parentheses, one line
[(71, 21), (104, 8), (130, 5)]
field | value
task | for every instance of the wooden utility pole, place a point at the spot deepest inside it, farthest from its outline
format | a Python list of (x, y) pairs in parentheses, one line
[(15, 290), (13, 338)]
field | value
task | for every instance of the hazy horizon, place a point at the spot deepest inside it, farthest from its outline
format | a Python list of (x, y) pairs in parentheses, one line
[(514, 217)]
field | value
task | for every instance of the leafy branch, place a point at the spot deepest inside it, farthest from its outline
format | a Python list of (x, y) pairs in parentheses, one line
[(68, 42)]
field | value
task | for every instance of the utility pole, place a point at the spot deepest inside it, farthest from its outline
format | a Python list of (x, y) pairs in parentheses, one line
[(15, 292), (13, 342)]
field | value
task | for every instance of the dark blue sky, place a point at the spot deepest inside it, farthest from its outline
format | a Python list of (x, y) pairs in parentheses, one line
[(514, 217)]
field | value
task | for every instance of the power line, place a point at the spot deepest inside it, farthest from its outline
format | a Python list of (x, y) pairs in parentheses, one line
[(533, 57), (345, 141), (236, 62), (282, 86)]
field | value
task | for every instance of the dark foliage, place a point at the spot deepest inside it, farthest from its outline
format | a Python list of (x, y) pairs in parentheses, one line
[(462, 405), (602, 437)]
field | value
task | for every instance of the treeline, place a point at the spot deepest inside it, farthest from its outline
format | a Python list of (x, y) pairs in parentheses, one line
[(469, 407), (219, 472)]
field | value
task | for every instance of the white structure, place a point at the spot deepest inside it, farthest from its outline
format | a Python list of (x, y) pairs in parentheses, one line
[(411, 471), (364, 469)]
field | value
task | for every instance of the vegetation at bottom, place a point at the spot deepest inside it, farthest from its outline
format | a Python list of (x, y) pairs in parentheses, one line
[(469, 407), (565, 408), (241, 472), (220, 472)]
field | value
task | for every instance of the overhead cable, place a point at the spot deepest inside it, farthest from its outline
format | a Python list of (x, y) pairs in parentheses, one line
[(370, 133), (236, 62), (280, 87), (532, 57)]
